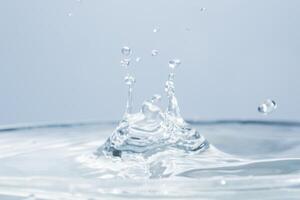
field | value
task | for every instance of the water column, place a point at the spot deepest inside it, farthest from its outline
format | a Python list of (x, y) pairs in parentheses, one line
[(128, 79), (173, 108)]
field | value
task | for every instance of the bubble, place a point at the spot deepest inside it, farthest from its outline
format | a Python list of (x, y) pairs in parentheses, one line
[(155, 30), (138, 59), (129, 80), (267, 106), (126, 51), (174, 63), (154, 52), (125, 62)]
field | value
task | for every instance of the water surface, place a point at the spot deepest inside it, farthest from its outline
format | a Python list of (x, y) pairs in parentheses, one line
[(247, 160)]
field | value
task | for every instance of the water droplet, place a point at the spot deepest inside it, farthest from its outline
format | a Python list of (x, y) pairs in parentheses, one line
[(125, 62), (70, 14), (138, 59), (174, 63), (223, 182), (156, 98), (267, 107), (129, 80), (154, 52), (126, 51), (202, 9), (155, 30)]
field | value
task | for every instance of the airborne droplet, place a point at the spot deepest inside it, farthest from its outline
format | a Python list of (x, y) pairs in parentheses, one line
[(267, 107), (126, 51), (155, 30), (154, 52), (129, 80), (173, 64), (125, 62)]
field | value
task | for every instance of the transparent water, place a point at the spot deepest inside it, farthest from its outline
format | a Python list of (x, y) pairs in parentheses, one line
[(248, 160)]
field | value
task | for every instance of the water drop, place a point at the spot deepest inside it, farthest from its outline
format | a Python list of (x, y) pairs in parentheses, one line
[(138, 59), (129, 80), (125, 62), (154, 52), (126, 51), (155, 30), (223, 182), (267, 106), (156, 98), (174, 63)]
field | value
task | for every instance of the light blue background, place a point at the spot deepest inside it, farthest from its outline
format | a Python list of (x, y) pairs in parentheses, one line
[(55, 67)]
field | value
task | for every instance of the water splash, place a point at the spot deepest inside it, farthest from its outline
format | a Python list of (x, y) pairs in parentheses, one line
[(153, 130)]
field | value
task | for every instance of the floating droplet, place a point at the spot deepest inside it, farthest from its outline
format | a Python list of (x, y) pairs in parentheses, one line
[(138, 59), (202, 9), (223, 182), (155, 30), (156, 98), (267, 107), (174, 63), (129, 80), (154, 52), (126, 51), (125, 62), (70, 14)]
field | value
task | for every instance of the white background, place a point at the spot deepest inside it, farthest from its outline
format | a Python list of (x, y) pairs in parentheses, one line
[(56, 67)]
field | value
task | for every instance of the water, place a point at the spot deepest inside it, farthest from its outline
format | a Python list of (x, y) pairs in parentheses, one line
[(155, 30), (129, 80), (154, 52), (174, 63), (152, 154), (126, 51), (125, 62), (267, 107), (250, 160), (138, 59)]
